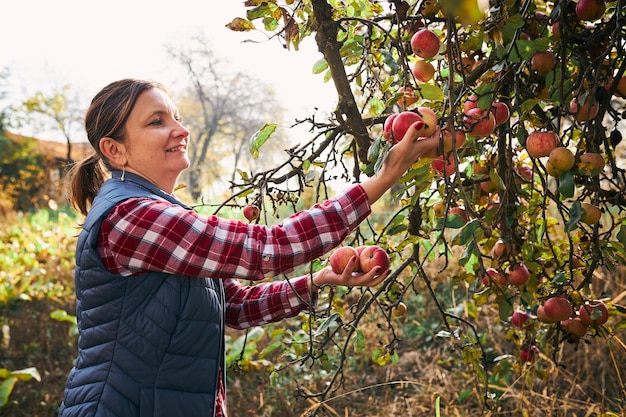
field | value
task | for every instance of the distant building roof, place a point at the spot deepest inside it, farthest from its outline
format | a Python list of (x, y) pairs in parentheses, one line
[(55, 149)]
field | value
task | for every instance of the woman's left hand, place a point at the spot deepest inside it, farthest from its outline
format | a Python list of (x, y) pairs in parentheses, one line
[(349, 277)]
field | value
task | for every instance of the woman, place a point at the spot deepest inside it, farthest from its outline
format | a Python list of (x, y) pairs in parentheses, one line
[(156, 283)]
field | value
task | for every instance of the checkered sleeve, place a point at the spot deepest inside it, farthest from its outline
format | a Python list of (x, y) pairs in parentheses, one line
[(266, 302), (151, 235)]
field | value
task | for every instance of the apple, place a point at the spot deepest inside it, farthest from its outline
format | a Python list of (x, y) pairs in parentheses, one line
[(562, 158), (340, 258), (554, 29), (489, 186), (430, 7), (527, 354), (387, 128), (590, 164), (479, 123), (517, 274), (620, 90), (458, 211), (450, 141), (439, 209), (401, 123), (470, 103), (543, 62), (593, 313), (501, 249), (587, 111), (541, 143), (251, 212), (373, 256), (541, 315), (525, 171), (574, 326), (408, 97), (590, 213), (492, 274), (423, 71), (590, 9), (430, 121), (520, 319), (557, 309), (425, 43), (399, 310), (501, 112), (445, 166)]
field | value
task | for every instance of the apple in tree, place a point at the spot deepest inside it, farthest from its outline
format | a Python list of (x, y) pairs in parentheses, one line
[(517, 274), (488, 186), (402, 122), (408, 97), (425, 43), (373, 256), (527, 354), (492, 274), (590, 213), (593, 313), (587, 111), (620, 89), (541, 143), (574, 326), (590, 164), (590, 10), (251, 212), (450, 141), (340, 258), (501, 112), (470, 103), (543, 62), (557, 309), (561, 159), (554, 29), (458, 211), (520, 319), (430, 121), (501, 249), (479, 123), (446, 166), (423, 71)]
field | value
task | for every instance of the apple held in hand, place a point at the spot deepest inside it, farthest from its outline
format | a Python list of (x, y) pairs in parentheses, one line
[(401, 123), (251, 212), (373, 256), (340, 258)]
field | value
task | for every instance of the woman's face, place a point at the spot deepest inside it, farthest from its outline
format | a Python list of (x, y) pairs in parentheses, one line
[(156, 141)]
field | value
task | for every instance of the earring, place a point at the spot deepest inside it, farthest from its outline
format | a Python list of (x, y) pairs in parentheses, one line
[(123, 173)]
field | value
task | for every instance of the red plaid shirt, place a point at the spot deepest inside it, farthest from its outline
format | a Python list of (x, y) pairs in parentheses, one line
[(146, 235)]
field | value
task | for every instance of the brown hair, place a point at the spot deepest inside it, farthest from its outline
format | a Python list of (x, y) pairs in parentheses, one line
[(106, 117)]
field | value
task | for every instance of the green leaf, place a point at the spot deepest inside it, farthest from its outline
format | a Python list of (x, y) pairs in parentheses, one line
[(566, 184), (260, 137), (320, 66), (505, 308), (5, 390), (431, 92), (331, 320), (466, 234), (359, 341), (575, 212)]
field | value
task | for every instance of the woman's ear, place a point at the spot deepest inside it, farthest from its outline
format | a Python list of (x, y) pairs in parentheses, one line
[(113, 151)]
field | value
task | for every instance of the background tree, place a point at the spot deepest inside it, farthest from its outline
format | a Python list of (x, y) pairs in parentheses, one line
[(223, 108)]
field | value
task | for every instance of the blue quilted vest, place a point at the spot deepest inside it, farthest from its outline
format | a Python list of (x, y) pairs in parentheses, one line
[(149, 345)]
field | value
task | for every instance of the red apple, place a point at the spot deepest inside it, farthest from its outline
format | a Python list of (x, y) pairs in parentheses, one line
[(501, 112), (590, 164), (574, 326), (492, 274), (518, 274), (587, 111), (401, 123), (459, 211), (373, 256), (557, 309), (251, 212), (543, 62), (443, 166), (479, 123), (470, 103), (340, 258), (501, 249), (520, 318), (423, 71), (620, 90), (590, 9), (430, 120), (425, 43), (554, 29), (527, 354), (540, 143), (593, 313), (447, 140)]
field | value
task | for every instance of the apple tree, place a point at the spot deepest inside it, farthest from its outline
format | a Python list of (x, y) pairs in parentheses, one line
[(523, 205)]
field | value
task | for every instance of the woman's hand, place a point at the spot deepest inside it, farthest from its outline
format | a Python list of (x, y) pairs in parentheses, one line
[(400, 158), (348, 277)]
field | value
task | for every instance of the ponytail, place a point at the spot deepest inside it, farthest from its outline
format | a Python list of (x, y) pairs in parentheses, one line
[(87, 176)]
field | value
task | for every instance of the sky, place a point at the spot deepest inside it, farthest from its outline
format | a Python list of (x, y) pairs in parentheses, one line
[(48, 43)]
